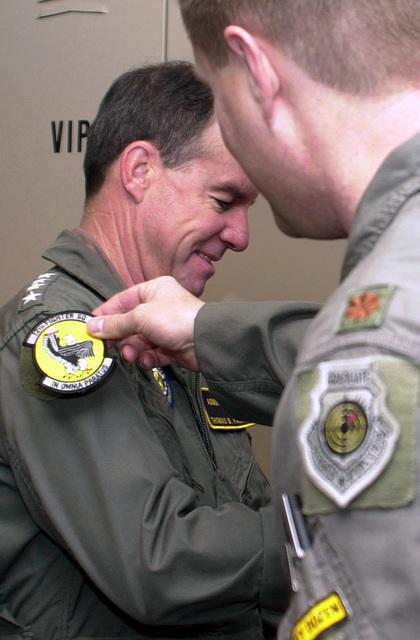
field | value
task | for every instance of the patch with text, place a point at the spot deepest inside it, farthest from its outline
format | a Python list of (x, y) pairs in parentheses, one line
[(69, 359), (217, 417), (319, 618), (349, 436)]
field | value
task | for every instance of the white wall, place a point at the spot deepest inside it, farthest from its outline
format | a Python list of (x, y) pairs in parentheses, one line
[(57, 69)]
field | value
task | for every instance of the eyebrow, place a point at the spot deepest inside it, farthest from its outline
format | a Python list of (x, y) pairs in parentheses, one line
[(239, 194)]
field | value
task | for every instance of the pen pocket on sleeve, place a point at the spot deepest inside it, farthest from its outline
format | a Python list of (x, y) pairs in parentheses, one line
[(318, 605)]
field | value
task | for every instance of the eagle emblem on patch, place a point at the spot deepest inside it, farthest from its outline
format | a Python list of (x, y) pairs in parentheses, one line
[(349, 436), (69, 359)]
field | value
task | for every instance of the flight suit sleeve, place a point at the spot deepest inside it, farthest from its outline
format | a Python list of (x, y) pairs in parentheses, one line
[(247, 352)]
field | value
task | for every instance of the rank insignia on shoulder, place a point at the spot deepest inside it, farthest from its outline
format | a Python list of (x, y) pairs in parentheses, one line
[(349, 437), (366, 308), (217, 417), (70, 361), (34, 293)]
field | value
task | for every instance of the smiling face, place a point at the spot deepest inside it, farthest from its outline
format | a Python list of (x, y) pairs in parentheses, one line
[(191, 215)]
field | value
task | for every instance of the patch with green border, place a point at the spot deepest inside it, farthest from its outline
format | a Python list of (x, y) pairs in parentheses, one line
[(396, 485)]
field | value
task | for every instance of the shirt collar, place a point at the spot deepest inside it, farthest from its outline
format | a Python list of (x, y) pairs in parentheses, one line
[(397, 178)]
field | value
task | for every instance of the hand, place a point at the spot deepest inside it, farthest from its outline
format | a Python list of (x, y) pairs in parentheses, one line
[(156, 321)]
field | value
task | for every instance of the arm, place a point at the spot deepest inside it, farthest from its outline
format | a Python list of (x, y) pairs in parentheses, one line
[(246, 350)]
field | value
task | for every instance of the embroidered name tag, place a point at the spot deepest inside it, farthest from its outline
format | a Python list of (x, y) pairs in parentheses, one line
[(319, 618), (217, 417)]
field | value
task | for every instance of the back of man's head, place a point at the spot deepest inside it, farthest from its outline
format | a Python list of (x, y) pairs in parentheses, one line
[(163, 103), (356, 46)]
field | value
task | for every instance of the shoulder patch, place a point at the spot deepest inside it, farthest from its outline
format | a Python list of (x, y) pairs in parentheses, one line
[(350, 435), (366, 308), (34, 293), (217, 417), (68, 359)]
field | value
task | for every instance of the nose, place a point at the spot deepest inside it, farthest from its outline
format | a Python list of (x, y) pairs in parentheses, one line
[(236, 230)]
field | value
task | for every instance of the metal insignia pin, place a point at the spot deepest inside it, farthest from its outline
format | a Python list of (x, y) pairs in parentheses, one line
[(164, 383)]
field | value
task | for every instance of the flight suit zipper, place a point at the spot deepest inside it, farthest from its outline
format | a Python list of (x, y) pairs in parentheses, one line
[(204, 427)]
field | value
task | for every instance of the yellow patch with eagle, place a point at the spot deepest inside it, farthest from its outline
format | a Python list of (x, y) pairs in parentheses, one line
[(217, 417), (69, 360)]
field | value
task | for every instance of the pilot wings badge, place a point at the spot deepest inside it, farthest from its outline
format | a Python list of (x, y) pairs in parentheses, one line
[(69, 359)]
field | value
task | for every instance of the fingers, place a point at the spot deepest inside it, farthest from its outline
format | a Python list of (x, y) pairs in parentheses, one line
[(156, 317), (136, 349), (120, 303), (129, 299), (154, 358), (116, 327)]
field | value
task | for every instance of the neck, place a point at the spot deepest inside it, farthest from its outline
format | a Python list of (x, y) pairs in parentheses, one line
[(348, 137), (110, 228), (362, 133)]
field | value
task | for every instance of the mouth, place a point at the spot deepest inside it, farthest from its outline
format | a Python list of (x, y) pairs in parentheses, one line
[(205, 257)]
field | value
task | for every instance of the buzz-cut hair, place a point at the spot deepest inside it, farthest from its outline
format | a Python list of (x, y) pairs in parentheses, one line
[(354, 46)]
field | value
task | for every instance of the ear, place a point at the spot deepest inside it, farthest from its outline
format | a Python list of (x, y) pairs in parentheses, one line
[(136, 165), (263, 80)]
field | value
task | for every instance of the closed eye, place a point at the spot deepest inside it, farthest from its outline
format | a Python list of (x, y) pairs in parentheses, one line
[(223, 205)]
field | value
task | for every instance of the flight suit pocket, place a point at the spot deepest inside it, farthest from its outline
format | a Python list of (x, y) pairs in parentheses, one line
[(325, 600)]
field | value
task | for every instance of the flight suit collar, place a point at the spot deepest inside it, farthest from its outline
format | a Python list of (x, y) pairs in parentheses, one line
[(395, 181)]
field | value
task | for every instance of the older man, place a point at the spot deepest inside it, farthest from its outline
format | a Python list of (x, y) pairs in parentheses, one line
[(131, 502), (326, 94)]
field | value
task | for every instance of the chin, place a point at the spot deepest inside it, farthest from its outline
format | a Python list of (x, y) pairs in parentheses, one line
[(196, 289), (286, 229), (198, 292)]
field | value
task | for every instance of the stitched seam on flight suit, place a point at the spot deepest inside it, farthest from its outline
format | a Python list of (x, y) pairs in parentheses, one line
[(386, 341), (383, 219), (333, 558), (252, 385), (15, 464)]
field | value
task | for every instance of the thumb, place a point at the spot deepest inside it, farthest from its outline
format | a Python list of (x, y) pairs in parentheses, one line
[(113, 327)]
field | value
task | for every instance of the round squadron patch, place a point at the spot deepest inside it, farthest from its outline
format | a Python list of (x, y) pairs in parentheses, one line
[(70, 360), (349, 436)]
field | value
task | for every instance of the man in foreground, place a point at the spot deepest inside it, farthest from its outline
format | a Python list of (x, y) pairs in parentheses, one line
[(326, 94), (131, 503)]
